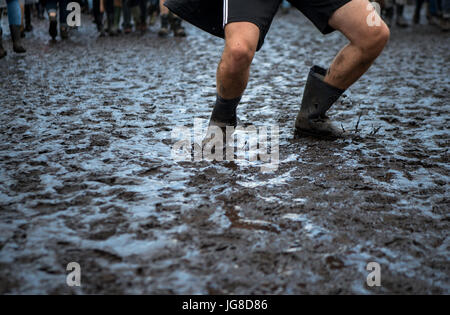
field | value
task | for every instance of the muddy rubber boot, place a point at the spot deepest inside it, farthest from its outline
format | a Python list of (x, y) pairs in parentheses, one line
[(17, 42), (164, 30), (318, 97), (223, 115), (178, 30), (401, 21), (2, 50)]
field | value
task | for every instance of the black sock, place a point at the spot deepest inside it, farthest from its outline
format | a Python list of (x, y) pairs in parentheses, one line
[(225, 110)]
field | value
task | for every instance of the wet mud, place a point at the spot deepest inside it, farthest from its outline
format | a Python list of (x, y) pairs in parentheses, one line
[(87, 176)]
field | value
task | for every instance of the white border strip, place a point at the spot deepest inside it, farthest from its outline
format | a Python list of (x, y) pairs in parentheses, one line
[(225, 13)]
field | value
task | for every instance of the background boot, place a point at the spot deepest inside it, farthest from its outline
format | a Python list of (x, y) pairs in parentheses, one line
[(28, 26), (177, 29), (401, 21), (417, 9), (64, 31), (111, 30), (98, 18), (2, 50), (318, 97), (164, 30), (17, 42), (388, 16), (117, 14)]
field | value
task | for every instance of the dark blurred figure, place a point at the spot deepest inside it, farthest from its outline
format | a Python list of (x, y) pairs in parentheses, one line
[(29, 4), (113, 11), (126, 25), (153, 11), (398, 6), (52, 7), (416, 17), (40, 7), (97, 10), (139, 11), (169, 19), (439, 11)]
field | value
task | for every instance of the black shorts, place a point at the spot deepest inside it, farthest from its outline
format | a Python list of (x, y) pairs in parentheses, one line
[(213, 15), (262, 12)]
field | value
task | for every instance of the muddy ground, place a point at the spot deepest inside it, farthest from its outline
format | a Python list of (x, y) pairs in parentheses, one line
[(87, 175)]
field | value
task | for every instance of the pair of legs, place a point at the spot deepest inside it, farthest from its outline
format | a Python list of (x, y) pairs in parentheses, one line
[(366, 43)]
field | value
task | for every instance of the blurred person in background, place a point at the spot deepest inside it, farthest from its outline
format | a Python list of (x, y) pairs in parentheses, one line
[(40, 7), (97, 10), (139, 11), (169, 19), (126, 14), (417, 9), (399, 6), (14, 20), (113, 11), (153, 11), (28, 8), (439, 11)]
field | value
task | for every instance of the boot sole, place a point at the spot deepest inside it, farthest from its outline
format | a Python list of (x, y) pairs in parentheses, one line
[(300, 133)]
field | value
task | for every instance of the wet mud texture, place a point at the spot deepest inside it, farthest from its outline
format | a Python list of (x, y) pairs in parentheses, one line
[(87, 176)]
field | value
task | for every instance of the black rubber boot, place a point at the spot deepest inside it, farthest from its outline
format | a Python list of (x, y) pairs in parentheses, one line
[(53, 27), (164, 30), (318, 97), (2, 50), (17, 42), (177, 29)]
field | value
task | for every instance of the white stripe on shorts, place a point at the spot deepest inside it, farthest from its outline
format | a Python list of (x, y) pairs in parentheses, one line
[(225, 13)]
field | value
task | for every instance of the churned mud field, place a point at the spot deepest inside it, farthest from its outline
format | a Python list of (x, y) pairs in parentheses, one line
[(87, 176)]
